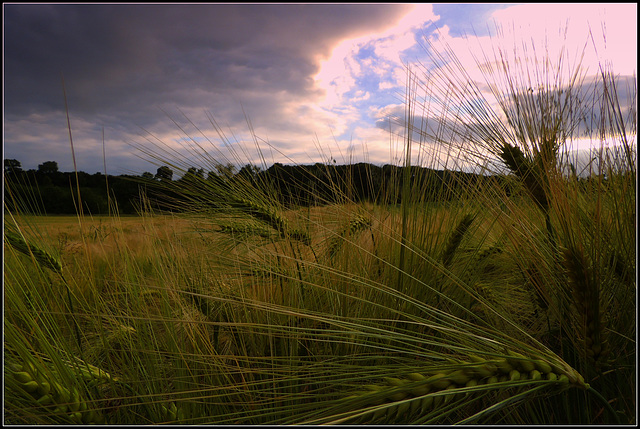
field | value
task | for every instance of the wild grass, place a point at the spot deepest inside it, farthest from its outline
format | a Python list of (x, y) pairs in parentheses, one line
[(509, 300)]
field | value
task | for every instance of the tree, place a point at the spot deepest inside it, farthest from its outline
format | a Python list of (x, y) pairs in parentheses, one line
[(147, 176), (48, 167), (164, 173), (226, 171), (192, 174), (249, 172), (12, 166)]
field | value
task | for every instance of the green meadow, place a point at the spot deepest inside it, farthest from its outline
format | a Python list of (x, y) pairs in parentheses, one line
[(510, 300)]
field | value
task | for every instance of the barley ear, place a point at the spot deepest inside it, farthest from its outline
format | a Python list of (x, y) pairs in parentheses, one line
[(42, 257), (586, 295), (357, 224), (49, 394), (273, 218), (528, 172), (455, 239)]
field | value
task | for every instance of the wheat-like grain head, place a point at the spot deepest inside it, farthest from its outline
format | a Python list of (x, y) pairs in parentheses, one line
[(41, 256)]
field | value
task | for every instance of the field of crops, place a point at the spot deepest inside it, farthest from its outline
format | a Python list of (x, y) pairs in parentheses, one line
[(478, 303), (224, 319)]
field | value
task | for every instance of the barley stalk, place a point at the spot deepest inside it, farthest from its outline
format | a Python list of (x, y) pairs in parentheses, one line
[(489, 252), (49, 392), (456, 238), (484, 291), (273, 218), (41, 256), (357, 224), (586, 297), (172, 413), (419, 393), (46, 260), (244, 231), (528, 172), (533, 277)]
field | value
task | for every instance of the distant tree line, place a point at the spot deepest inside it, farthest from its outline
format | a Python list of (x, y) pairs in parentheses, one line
[(327, 183), (50, 191), (55, 192)]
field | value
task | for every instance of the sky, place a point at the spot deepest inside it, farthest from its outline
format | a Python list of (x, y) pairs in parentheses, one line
[(196, 84)]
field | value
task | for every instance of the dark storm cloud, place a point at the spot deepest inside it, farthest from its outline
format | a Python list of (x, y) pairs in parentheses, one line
[(126, 58), (122, 64)]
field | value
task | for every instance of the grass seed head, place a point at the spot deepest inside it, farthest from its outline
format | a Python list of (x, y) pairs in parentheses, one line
[(456, 238), (439, 381), (42, 257), (535, 375), (30, 386)]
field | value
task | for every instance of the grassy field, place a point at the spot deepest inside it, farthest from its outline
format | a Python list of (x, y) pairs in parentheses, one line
[(507, 305)]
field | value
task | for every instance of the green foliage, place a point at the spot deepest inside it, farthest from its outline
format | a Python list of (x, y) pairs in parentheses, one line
[(293, 184), (12, 166)]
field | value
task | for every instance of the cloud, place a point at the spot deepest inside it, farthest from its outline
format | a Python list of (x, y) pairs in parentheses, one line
[(123, 63), (529, 40), (307, 76), (583, 34), (376, 54), (613, 26)]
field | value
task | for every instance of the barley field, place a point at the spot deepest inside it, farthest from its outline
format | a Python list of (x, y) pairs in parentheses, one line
[(512, 303)]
